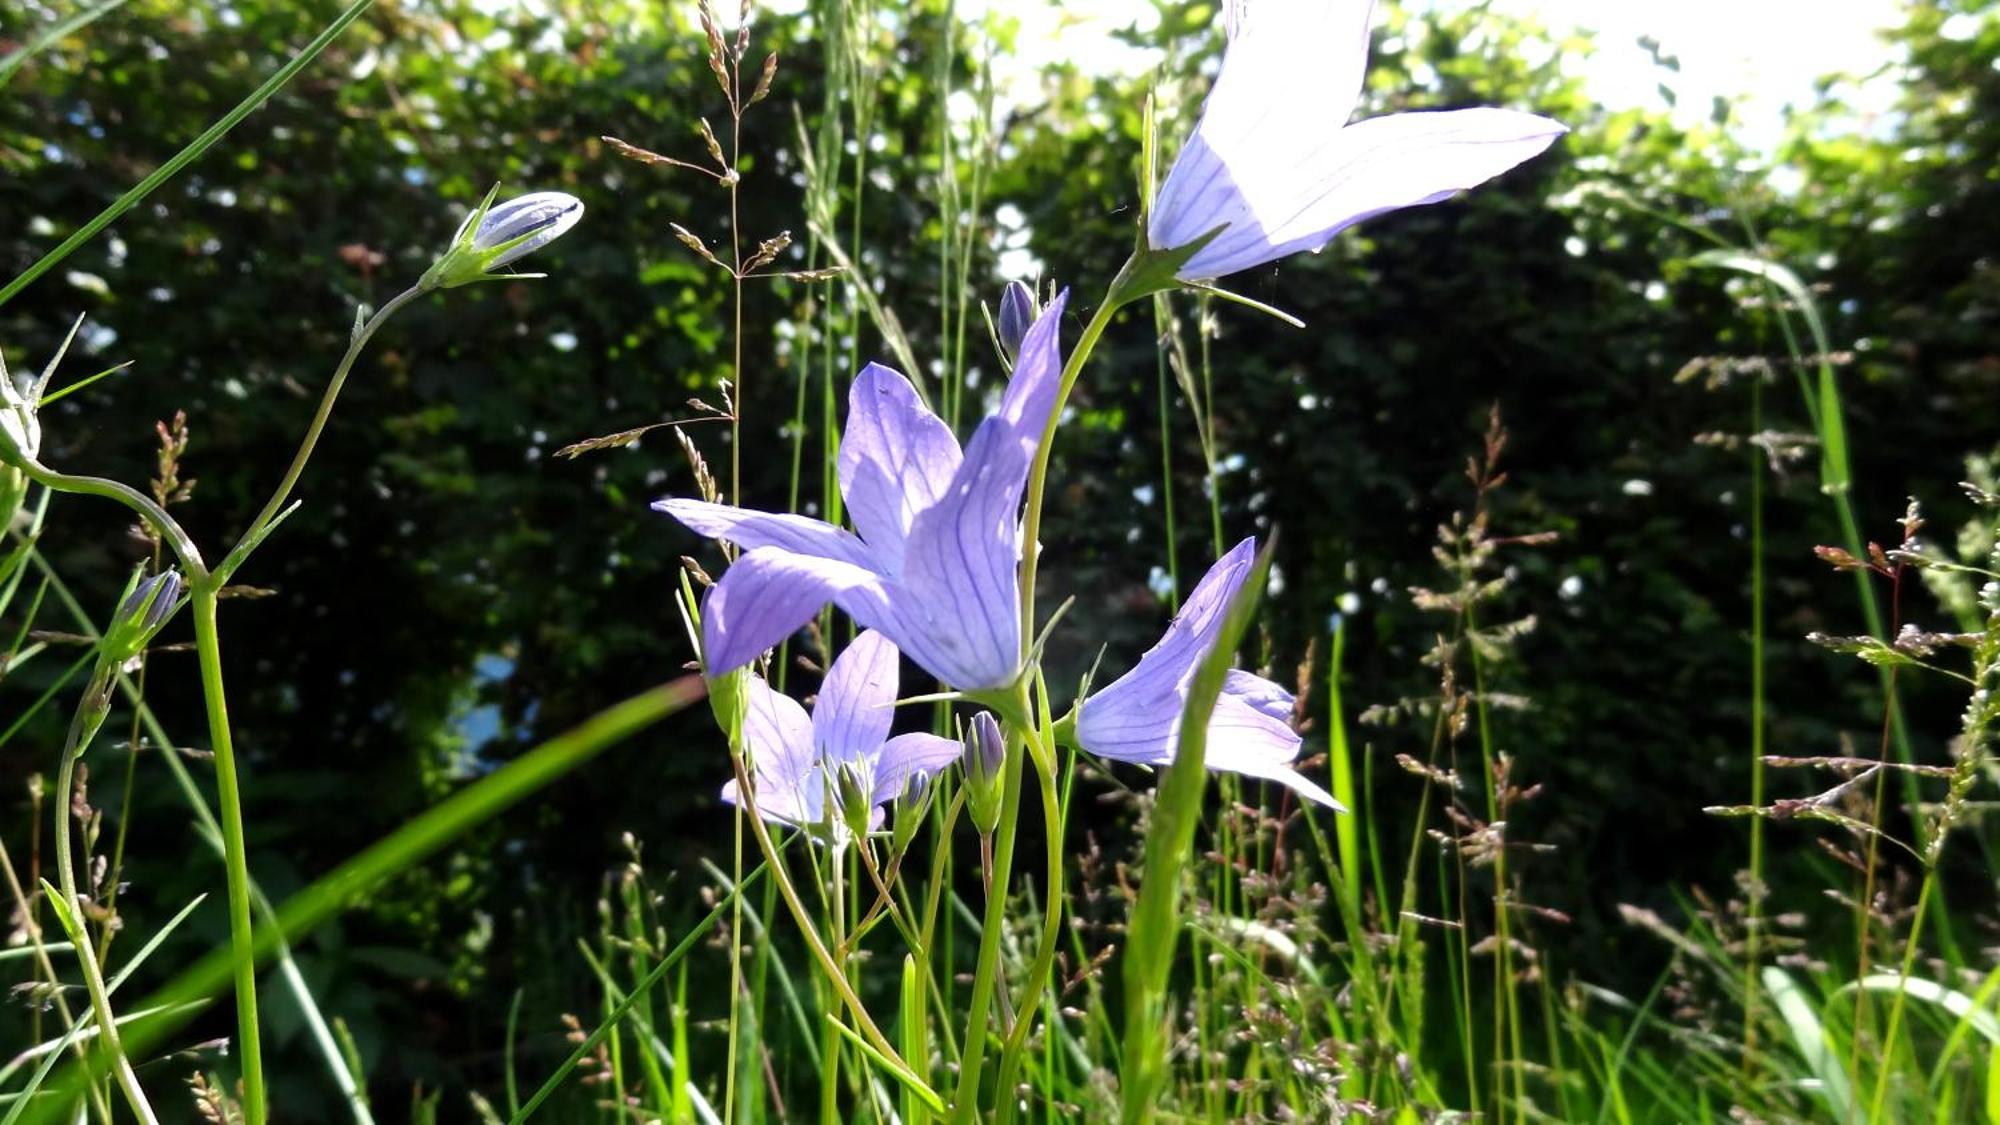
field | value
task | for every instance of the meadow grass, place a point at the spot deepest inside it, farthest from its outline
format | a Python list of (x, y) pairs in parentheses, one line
[(1233, 957)]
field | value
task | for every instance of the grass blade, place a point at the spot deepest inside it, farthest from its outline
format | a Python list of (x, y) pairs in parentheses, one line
[(187, 155)]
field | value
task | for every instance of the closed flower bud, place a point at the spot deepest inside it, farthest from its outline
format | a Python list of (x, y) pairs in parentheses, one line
[(985, 754), (497, 234), (1017, 312), (20, 416), (147, 605), (854, 797)]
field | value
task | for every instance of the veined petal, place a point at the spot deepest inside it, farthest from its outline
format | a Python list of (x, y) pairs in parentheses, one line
[(1244, 739), (750, 529), (1167, 667), (1260, 693), (856, 700), (1289, 81), (778, 736), (961, 558), (1284, 201), (769, 593), (896, 459), (909, 756)]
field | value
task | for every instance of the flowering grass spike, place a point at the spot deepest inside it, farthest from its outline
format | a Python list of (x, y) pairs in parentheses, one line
[(1137, 718), (934, 564), (1274, 163)]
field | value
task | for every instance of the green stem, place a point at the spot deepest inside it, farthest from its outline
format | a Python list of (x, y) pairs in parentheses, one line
[(297, 468), (235, 859), (89, 716), (972, 1061), (141, 504), (1042, 751), (829, 969), (1038, 476)]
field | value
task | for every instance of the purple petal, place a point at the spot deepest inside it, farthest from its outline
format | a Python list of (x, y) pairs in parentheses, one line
[(855, 707), (1127, 715), (1245, 740), (541, 217), (748, 529), (1289, 80), (909, 756), (960, 561), (1333, 181), (1260, 693), (778, 737), (768, 594), (896, 459), (1138, 718)]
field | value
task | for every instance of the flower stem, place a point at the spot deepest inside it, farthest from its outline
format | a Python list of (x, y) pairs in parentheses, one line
[(1041, 749), (236, 865), (1038, 476), (985, 977), (276, 503), (833, 972), (89, 716)]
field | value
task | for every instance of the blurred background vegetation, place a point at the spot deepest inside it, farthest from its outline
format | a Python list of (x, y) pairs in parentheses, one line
[(452, 592)]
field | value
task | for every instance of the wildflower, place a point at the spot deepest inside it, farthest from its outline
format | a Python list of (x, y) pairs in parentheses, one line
[(20, 435), (985, 753), (20, 413), (1272, 164), (834, 771), (1138, 718), (1017, 312), (492, 236), (147, 604), (934, 564)]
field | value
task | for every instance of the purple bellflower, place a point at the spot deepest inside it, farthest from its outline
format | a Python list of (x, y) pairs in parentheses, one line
[(935, 563), (1138, 717), (1275, 164), (805, 767)]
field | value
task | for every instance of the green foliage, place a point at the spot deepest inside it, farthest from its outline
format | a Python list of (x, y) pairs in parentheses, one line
[(451, 593)]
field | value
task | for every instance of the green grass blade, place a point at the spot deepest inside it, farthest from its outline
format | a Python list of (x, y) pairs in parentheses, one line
[(75, 23), (1810, 1037), (416, 841), (189, 154), (1155, 919)]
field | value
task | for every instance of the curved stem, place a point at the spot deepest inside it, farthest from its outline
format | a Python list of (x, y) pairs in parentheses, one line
[(235, 857), (89, 716), (141, 504), (306, 444)]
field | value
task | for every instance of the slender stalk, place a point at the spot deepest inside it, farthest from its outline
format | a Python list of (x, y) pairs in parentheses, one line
[(986, 974), (297, 468), (1041, 750), (818, 948), (1031, 525), (235, 858), (89, 716), (1754, 915)]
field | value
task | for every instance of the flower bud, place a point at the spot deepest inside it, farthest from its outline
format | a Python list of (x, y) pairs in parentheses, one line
[(20, 416), (148, 603), (985, 754), (494, 235), (909, 816), (854, 796), (1017, 312)]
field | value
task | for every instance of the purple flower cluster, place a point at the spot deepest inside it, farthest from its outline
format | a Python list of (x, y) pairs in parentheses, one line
[(932, 568)]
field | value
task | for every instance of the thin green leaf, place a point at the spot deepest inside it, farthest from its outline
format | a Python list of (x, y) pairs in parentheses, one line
[(187, 155)]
